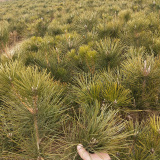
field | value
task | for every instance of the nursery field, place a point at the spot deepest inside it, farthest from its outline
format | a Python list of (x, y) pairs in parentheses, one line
[(79, 72)]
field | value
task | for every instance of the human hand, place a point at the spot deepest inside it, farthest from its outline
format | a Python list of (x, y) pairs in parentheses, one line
[(87, 156)]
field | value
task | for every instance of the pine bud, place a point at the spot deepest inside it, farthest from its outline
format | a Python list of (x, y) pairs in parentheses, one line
[(34, 89), (10, 78), (9, 134), (115, 102), (94, 141), (152, 150)]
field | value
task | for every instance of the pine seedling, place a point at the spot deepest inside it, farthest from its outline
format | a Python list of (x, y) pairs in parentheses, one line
[(67, 42), (4, 34), (136, 52), (102, 87), (110, 52), (86, 88), (125, 15), (154, 21), (55, 28), (87, 59), (141, 76), (97, 128), (113, 90), (84, 23), (33, 44), (18, 26), (32, 107), (41, 52), (116, 93), (137, 31), (40, 27), (156, 46), (110, 29), (146, 139)]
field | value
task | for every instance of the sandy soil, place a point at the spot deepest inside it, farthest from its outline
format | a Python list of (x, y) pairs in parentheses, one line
[(9, 51)]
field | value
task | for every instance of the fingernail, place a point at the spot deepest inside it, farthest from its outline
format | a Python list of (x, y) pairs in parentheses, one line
[(79, 146)]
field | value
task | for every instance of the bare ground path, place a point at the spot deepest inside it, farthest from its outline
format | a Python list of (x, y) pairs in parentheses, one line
[(9, 51)]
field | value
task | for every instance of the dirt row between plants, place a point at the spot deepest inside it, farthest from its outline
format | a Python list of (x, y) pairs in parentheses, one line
[(9, 51)]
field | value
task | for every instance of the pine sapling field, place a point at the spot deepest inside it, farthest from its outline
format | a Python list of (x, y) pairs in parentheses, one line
[(79, 72)]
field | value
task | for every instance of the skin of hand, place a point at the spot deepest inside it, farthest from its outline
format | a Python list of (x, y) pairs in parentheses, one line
[(87, 156)]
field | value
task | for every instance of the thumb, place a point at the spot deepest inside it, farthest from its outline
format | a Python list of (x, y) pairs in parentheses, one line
[(83, 153)]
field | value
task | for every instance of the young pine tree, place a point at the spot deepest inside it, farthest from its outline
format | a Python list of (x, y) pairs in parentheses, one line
[(31, 112)]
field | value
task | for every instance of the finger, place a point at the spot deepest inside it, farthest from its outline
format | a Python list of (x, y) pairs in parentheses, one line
[(100, 156), (83, 153), (104, 156)]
